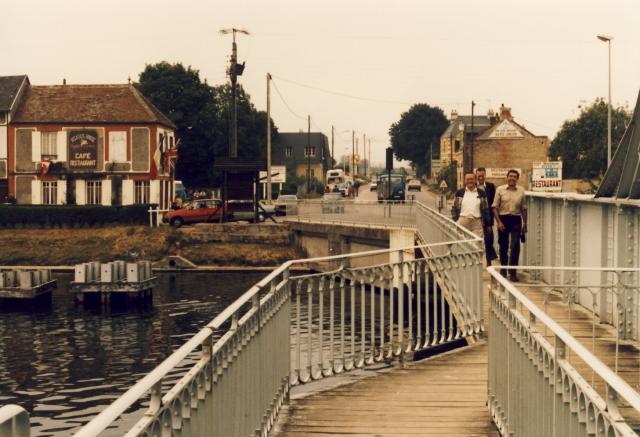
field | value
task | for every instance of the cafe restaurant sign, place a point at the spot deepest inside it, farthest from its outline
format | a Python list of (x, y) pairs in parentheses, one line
[(83, 150)]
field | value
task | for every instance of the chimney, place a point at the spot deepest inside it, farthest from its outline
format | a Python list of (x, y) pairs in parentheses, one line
[(454, 114), (505, 113), (491, 116), (64, 81)]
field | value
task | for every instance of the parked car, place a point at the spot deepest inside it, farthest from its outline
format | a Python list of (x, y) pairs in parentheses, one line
[(242, 210), (414, 185), (332, 203), (282, 201), (373, 186), (198, 211)]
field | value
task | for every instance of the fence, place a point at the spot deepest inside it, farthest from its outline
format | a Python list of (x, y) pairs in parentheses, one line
[(546, 380), (361, 213), (286, 331), (577, 230)]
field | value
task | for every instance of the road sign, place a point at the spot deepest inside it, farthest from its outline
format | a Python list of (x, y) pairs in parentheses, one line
[(278, 175), (444, 185)]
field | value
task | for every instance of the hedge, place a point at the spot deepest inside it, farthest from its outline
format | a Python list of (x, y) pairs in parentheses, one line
[(12, 216)]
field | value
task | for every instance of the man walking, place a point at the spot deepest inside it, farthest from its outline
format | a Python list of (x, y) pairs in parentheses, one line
[(470, 208), (490, 189), (511, 216)]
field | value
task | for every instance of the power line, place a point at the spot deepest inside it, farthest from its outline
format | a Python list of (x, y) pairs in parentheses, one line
[(284, 101)]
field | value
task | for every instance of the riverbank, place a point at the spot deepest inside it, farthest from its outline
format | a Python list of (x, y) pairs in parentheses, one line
[(40, 247)]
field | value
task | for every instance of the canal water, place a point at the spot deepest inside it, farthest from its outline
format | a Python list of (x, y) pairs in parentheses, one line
[(65, 362)]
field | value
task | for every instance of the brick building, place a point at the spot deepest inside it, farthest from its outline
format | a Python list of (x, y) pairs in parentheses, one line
[(299, 153), (89, 144), (508, 144), (496, 142)]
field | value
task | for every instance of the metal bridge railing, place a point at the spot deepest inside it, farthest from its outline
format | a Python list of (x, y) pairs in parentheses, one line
[(545, 379), (14, 421), (363, 308), (354, 212), (353, 317)]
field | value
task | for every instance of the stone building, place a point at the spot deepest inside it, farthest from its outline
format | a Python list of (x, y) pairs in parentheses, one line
[(89, 144), (11, 90), (299, 154), (496, 142), (508, 144)]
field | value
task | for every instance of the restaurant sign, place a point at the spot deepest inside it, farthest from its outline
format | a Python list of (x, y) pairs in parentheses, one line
[(546, 176), (83, 149)]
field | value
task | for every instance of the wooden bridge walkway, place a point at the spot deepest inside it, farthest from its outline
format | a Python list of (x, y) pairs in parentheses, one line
[(446, 394)]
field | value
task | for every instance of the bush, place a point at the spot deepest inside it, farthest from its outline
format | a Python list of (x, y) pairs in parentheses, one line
[(47, 216)]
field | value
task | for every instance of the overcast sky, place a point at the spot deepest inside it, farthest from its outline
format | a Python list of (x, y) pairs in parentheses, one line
[(355, 64)]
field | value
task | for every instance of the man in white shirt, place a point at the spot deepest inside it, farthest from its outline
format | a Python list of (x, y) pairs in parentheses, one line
[(470, 208)]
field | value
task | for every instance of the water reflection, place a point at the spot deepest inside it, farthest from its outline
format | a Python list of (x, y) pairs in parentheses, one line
[(64, 362)]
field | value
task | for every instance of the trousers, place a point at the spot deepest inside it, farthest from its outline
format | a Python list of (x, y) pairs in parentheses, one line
[(509, 241)]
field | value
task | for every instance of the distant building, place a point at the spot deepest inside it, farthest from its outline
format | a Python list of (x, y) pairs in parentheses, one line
[(508, 144), (300, 154), (496, 142), (89, 144), (11, 90)]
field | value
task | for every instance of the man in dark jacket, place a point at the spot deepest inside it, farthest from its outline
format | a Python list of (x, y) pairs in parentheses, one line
[(490, 189)]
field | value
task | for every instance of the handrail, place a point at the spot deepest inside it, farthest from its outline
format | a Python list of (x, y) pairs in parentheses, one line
[(613, 380), (113, 411)]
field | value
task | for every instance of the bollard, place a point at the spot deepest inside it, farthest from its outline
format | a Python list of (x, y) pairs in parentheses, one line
[(26, 280), (81, 273), (107, 272), (133, 273), (45, 276), (11, 279)]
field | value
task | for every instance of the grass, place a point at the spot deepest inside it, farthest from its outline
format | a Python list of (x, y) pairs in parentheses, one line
[(72, 246)]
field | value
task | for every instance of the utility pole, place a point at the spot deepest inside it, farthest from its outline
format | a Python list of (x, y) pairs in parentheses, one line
[(364, 152), (467, 152), (369, 157), (234, 71), (268, 138), (332, 139), (353, 152), (354, 160), (308, 154)]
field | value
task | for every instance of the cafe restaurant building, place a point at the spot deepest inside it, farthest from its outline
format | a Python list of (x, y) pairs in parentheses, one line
[(90, 145)]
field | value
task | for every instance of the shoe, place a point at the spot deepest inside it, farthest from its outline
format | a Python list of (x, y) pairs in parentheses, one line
[(514, 278), (503, 272)]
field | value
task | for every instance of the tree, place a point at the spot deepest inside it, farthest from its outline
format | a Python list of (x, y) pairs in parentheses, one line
[(414, 134), (192, 106), (200, 113), (581, 144)]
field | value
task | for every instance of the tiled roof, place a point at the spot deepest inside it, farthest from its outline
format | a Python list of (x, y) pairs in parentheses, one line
[(9, 88), (480, 123), (87, 104)]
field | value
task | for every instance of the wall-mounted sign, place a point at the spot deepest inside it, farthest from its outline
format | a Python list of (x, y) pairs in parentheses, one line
[(83, 149), (496, 172), (278, 175), (546, 176), (506, 129)]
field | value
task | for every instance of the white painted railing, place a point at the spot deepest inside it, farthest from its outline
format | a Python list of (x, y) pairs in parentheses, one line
[(544, 381), (575, 230), (14, 421), (368, 213), (362, 308)]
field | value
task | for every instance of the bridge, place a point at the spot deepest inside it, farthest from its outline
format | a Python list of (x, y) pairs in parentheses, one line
[(419, 339)]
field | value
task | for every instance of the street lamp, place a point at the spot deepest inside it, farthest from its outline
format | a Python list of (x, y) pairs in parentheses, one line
[(607, 39)]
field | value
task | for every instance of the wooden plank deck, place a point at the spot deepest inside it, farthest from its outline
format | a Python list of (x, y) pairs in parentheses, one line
[(443, 395)]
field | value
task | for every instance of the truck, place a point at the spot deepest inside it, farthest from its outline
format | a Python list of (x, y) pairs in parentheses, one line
[(391, 187)]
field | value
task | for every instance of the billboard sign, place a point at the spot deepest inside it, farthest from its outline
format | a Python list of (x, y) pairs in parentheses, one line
[(497, 172), (546, 176), (83, 150)]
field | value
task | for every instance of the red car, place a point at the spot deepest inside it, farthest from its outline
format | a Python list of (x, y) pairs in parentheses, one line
[(198, 211)]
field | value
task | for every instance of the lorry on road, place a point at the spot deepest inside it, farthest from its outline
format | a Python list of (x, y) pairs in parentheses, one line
[(391, 187)]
